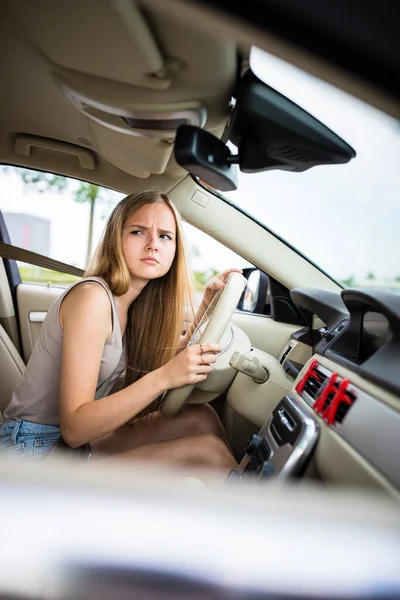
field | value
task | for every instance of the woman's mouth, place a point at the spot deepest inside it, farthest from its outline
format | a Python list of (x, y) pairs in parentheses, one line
[(150, 261)]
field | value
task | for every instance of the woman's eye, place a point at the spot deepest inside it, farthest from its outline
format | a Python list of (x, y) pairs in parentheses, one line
[(137, 232), (165, 236)]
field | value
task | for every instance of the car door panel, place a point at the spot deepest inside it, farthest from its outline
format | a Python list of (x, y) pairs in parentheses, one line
[(8, 319), (33, 304)]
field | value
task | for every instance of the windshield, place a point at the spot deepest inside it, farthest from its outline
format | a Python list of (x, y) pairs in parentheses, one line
[(345, 218)]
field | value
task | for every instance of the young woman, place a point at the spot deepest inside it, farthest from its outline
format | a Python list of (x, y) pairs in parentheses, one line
[(127, 314)]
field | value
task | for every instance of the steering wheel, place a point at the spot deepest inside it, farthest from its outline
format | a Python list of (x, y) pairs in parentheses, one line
[(175, 399)]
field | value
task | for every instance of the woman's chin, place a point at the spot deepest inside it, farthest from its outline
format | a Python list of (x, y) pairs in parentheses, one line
[(147, 272)]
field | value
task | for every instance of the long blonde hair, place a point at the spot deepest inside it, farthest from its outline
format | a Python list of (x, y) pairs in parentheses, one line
[(156, 317)]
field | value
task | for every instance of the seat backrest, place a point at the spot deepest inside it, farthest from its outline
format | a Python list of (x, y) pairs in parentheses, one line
[(11, 368)]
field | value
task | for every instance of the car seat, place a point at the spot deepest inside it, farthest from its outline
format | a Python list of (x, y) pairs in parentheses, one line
[(11, 368)]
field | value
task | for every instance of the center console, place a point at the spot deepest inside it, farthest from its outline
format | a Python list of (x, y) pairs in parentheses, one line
[(283, 446)]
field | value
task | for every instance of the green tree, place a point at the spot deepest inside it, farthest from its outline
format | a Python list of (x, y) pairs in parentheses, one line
[(349, 282), (88, 192), (201, 277), (84, 193), (371, 276)]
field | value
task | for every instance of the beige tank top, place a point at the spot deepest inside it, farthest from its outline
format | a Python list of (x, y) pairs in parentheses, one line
[(36, 396)]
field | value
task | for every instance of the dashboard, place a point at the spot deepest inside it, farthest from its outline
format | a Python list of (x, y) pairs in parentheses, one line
[(362, 331), (342, 400)]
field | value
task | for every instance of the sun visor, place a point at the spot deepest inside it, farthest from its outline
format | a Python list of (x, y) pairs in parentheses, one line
[(128, 110), (73, 35), (140, 157)]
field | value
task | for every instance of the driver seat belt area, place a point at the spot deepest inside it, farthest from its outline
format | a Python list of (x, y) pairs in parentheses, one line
[(11, 364), (38, 260)]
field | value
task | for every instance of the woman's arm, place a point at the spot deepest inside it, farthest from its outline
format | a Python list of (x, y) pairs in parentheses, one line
[(85, 317)]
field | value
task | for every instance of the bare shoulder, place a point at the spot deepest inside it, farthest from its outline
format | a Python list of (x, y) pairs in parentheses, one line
[(87, 298), (88, 292)]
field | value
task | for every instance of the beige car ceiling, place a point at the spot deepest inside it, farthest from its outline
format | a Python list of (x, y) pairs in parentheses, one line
[(72, 70)]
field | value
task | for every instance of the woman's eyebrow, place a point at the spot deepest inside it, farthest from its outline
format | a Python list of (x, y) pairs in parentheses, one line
[(136, 225), (166, 231), (146, 228)]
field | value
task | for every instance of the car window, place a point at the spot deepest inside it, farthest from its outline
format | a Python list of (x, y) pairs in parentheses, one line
[(59, 217), (207, 256), (51, 215)]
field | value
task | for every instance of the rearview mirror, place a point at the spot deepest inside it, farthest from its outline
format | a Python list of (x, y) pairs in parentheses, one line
[(205, 157)]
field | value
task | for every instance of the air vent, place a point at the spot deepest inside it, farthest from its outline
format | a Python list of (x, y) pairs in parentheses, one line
[(312, 381), (328, 394), (335, 400), (344, 405)]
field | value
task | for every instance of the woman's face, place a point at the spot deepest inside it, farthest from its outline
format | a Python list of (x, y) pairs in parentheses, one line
[(149, 241)]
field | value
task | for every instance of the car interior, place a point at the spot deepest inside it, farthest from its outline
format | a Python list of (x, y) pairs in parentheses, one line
[(135, 95)]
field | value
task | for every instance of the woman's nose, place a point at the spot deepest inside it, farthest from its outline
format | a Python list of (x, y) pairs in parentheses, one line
[(152, 243)]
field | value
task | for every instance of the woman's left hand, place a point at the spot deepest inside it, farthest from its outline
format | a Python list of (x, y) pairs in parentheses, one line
[(217, 284)]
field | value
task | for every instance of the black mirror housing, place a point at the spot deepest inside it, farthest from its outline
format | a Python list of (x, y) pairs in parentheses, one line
[(206, 157), (272, 132)]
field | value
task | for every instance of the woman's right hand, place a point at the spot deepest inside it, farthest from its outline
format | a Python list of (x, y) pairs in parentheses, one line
[(190, 366)]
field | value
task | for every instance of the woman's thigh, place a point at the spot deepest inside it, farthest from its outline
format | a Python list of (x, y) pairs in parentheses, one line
[(199, 451), (27, 440), (191, 421)]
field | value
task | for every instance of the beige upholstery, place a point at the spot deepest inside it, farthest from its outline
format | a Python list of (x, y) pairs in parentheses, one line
[(11, 369)]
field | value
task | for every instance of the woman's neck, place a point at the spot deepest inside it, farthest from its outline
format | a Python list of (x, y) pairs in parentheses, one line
[(136, 287)]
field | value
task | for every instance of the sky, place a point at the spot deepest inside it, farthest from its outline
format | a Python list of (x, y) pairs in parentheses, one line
[(344, 217)]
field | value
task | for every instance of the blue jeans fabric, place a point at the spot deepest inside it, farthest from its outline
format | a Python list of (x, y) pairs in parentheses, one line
[(26, 439)]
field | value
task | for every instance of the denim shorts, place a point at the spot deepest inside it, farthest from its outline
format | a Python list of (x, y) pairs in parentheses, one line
[(26, 439)]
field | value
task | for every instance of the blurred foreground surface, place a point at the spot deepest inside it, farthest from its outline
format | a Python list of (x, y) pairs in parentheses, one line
[(73, 530)]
